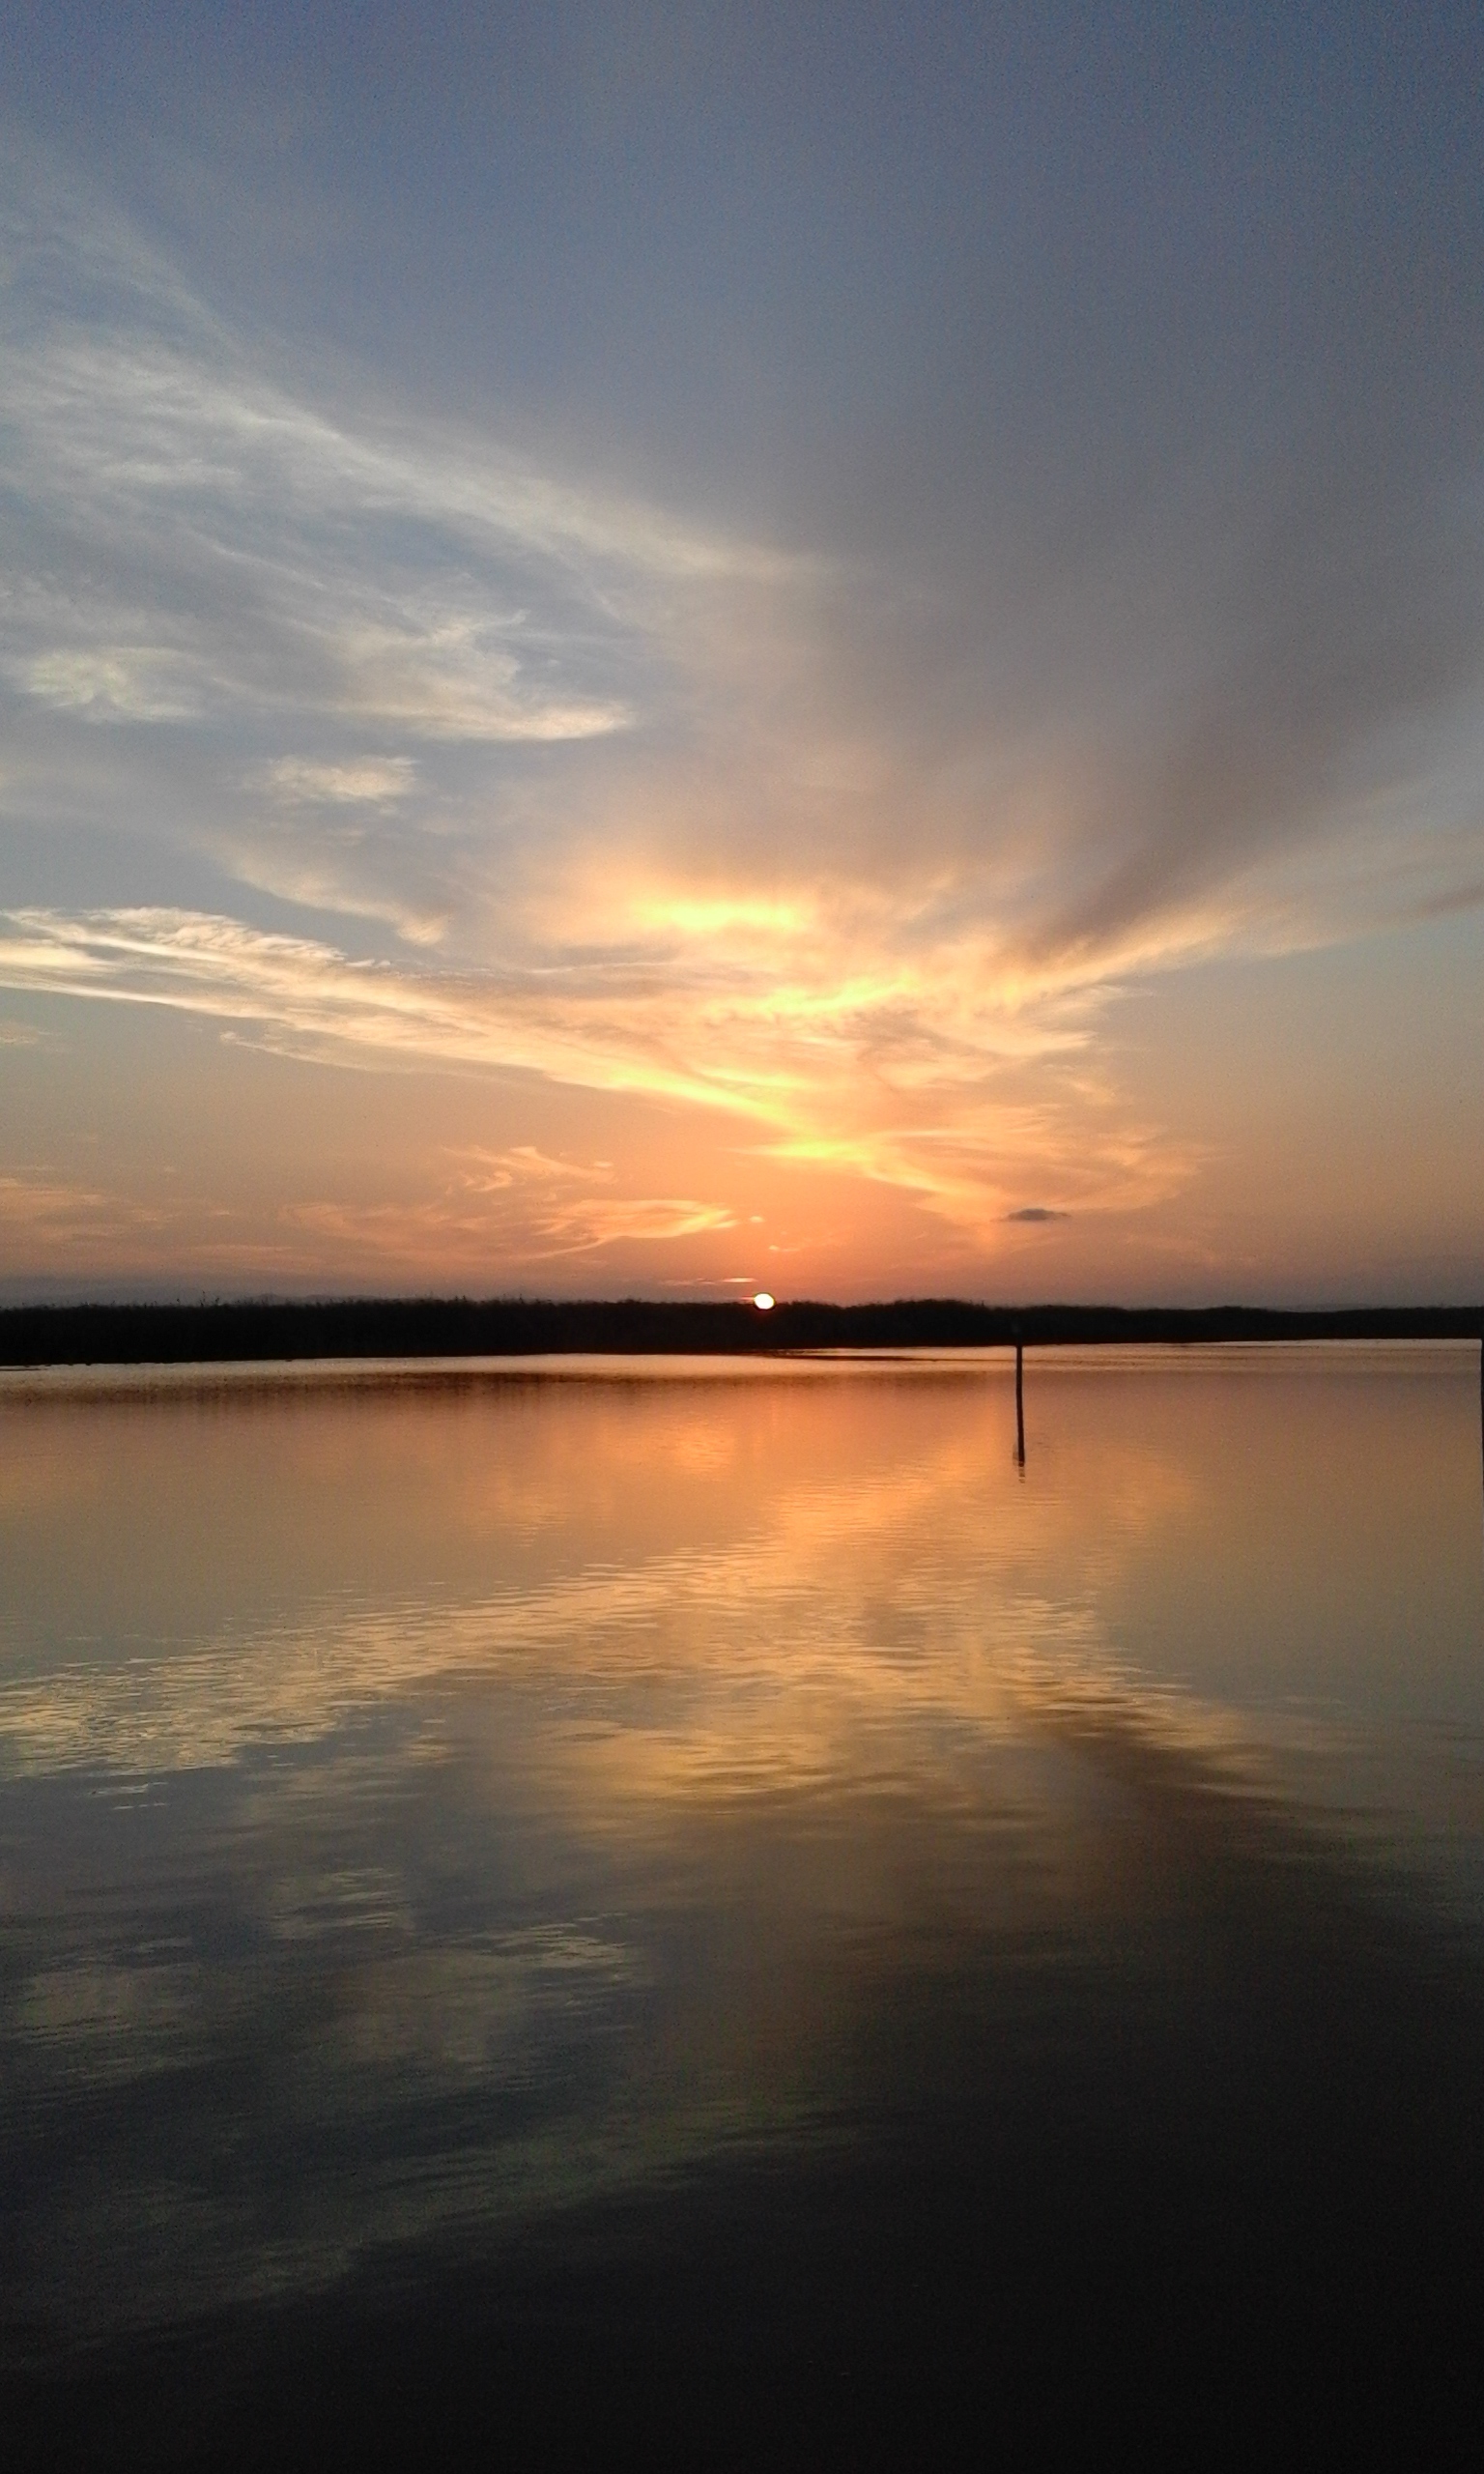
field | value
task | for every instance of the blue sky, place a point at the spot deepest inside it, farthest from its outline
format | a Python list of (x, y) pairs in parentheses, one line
[(662, 648)]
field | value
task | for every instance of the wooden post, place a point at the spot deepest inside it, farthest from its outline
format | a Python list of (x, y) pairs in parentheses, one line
[(1021, 1405)]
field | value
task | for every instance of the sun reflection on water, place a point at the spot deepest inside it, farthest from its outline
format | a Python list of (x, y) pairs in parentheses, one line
[(470, 1795)]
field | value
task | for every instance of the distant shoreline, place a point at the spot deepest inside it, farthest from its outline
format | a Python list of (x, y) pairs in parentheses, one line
[(224, 1334)]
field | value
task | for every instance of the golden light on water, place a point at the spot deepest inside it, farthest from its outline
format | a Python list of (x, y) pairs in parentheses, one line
[(710, 1693)]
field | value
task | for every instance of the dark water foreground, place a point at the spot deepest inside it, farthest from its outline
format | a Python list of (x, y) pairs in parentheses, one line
[(706, 1912)]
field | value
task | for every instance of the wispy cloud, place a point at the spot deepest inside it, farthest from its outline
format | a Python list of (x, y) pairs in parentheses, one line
[(40, 1201), (114, 683), (320, 601), (465, 1225), (909, 1079), (57, 1224), (854, 845), (331, 603), (568, 1207), (367, 782), (286, 566)]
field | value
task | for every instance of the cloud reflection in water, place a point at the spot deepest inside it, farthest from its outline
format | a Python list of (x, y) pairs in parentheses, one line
[(433, 1802)]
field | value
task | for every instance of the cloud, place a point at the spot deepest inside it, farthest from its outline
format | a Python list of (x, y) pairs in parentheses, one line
[(117, 684), (465, 1239), (38, 1199), (315, 1001), (286, 567), (294, 616), (1034, 1213), (914, 1079), (855, 843), (289, 555), (56, 1225), (388, 615), (557, 1206), (1193, 686), (369, 782)]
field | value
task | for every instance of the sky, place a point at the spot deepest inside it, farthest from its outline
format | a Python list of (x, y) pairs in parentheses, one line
[(676, 650)]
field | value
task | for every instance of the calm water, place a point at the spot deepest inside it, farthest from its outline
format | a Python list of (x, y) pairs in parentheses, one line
[(701, 1901)]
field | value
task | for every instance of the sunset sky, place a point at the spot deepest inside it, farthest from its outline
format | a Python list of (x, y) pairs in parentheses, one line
[(684, 648)]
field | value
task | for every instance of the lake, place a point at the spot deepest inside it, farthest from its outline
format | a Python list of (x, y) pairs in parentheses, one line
[(699, 1905)]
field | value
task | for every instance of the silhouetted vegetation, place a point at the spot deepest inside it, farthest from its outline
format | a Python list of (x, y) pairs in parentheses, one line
[(104, 1335)]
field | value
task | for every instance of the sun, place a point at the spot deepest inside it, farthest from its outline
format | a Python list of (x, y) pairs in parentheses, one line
[(763, 1301)]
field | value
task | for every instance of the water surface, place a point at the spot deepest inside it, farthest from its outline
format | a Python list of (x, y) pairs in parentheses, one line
[(701, 1899)]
